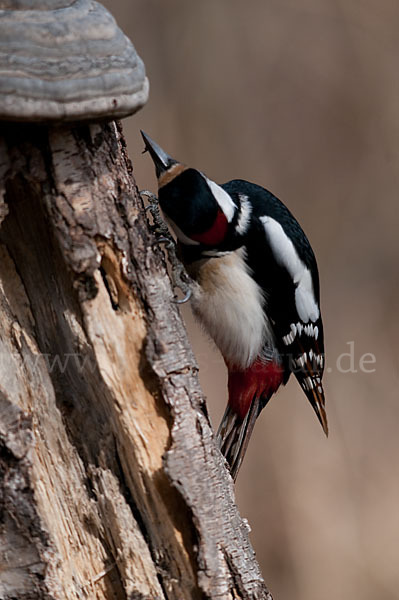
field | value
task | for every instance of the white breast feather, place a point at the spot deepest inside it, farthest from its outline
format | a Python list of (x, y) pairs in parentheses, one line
[(229, 304), (286, 255)]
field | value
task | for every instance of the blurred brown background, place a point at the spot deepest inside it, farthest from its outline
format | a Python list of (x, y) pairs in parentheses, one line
[(301, 96)]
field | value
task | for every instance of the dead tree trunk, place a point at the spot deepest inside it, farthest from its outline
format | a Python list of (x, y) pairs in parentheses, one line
[(111, 484)]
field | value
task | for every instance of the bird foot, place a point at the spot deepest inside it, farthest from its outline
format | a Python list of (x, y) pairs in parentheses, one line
[(178, 275)]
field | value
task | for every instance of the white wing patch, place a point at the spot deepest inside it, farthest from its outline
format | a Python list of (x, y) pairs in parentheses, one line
[(304, 296), (286, 255), (222, 198), (245, 214)]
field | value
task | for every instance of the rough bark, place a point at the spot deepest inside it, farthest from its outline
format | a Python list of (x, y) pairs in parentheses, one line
[(111, 482)]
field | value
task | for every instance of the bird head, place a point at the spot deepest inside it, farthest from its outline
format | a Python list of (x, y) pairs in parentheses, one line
[(198, 209)]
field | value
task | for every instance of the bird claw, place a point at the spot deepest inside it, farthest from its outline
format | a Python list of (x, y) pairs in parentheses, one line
[(185, 299), (180, 279), (159, 226), (168, 241), (178, 275)]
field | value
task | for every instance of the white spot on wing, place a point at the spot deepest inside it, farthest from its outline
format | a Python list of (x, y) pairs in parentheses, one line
[(309, 330), (286, 255), (222, 198), (308, 383), (290, 337), (300, 362)]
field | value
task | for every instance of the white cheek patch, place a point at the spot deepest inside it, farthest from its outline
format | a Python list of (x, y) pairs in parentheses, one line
[(286, 255), (222, 198), (183, 238)]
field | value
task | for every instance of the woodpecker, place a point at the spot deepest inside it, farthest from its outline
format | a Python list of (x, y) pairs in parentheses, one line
[(255, 290)]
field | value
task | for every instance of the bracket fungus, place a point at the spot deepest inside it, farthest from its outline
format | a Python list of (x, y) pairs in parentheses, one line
[(66, 60)]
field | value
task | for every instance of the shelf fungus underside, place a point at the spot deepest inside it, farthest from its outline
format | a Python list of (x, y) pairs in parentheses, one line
[(66, 61)]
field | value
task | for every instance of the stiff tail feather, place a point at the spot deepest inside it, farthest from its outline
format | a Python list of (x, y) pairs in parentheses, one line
[(316, 398), (234, 434)]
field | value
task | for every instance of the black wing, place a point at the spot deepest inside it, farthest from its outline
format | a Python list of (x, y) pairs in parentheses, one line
[(284, 265)]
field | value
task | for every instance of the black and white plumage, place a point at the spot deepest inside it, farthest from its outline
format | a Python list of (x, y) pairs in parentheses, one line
[(256, 290)]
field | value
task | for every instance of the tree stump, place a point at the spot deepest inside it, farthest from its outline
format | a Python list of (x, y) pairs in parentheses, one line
[(111, 482)]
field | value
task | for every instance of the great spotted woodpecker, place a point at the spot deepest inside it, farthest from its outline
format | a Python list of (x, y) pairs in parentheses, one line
[(255, 290)]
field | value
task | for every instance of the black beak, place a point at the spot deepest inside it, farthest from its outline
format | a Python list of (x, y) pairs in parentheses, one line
[(162, 161)]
